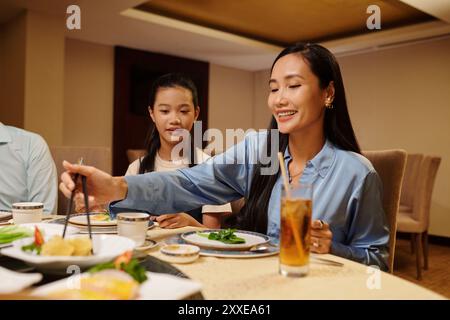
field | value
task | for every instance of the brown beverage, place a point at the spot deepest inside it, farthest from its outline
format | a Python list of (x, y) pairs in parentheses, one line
[(295, 235)]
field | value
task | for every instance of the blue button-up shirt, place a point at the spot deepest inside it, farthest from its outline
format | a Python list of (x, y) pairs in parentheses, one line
[(347, 194), (27, 170)]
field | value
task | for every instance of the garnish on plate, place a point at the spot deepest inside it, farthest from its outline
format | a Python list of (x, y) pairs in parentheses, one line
[(58, 246), (226, 236), (101, 217), (103, 285), (11, 233), (36, 245), (124, 263)]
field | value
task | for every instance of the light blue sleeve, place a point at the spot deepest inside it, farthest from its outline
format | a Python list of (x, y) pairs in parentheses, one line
[(219, 180), (367, 237), (42, 181)]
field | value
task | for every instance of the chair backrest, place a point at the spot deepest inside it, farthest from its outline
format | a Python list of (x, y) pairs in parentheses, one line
[(390, 166), (133, 154), (409, 186), (99, 157), (424, 190)]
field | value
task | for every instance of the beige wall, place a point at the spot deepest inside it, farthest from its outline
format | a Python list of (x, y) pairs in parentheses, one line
[(261, 112), (400, 98), (88, 94), (238, 98), (12, 71), (230, 98), (44, 76), (31, 81)]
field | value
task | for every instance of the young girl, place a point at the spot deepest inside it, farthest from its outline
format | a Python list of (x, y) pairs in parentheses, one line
[(174, 108), (308, 104)]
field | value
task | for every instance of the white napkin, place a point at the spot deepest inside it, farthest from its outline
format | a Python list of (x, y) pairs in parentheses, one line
[(159, 286), (14, 281)]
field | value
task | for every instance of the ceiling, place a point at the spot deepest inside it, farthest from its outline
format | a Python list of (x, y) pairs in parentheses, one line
[(288, 21), (251, 32)]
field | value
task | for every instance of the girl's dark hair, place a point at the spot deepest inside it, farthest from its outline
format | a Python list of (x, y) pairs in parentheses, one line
[(337, 128), (153, 143)]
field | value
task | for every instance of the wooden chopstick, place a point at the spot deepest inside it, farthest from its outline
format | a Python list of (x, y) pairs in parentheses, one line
[(86, 205)]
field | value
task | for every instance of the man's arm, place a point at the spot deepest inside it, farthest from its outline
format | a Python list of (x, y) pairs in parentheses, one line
[(219, 180)]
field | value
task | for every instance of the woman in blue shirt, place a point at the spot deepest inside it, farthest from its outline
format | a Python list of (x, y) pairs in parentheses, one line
[(313, 131)]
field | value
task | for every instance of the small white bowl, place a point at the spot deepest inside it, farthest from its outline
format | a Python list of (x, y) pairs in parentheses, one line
[(27, 212), (133, 225), (180, 253)]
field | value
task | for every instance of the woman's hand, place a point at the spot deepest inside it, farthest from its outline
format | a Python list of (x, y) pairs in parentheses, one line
[(176, 220), (321, 236), (102, 188)]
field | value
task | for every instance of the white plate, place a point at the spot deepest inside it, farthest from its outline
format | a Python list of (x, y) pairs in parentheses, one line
[(251, 239), (234, 254), (44, 218), (159, 286), (82, 220), (15, 281), (97, 231), (5, 215), (148, 244), (49, 229), (106, 248)]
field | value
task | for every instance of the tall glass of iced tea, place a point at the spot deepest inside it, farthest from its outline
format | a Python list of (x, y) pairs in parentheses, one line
[(295, 214)]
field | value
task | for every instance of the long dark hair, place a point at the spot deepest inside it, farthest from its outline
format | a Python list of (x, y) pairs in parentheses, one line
[(153, 142), (337, 129)]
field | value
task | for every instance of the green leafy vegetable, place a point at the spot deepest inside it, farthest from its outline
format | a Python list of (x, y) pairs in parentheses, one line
[(37, 243), (124, 263), (226, 236), (32, 247), (11, 233)]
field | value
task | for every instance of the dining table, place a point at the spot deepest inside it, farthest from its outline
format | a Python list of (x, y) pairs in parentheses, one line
[(257, 278), (329, 277)]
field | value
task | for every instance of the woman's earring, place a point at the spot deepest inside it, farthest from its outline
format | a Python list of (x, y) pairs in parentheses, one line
[(329, 105)]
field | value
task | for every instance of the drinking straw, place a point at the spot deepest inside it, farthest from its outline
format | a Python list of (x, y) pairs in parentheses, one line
[(284, 175), (288, 195)]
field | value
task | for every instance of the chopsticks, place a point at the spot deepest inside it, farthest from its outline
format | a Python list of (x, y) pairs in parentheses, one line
[(86, 205), (86, 202), (70, 204)]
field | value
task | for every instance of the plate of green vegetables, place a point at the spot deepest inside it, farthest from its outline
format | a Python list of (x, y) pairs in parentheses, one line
[(225, 239)]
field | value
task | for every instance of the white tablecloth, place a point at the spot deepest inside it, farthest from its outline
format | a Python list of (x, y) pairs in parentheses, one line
[(258, 278)]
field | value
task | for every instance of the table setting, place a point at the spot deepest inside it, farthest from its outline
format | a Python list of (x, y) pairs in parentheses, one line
[(84, 256), (95, 256)]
